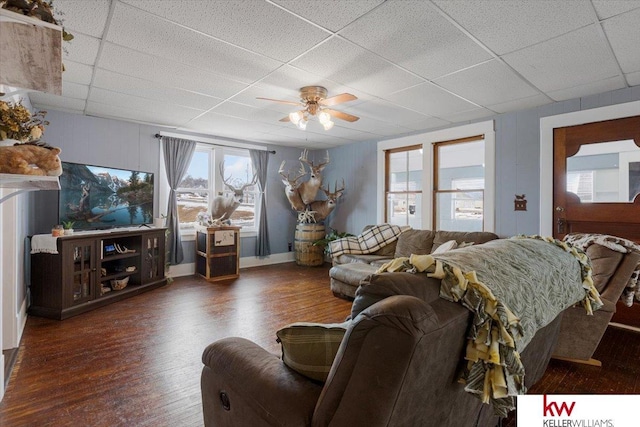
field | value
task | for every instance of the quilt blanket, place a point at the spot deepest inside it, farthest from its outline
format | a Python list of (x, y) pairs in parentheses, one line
[(514, 287), (368, 242)]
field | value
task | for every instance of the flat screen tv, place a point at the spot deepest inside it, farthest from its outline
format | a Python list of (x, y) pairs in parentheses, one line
[(98, 197)]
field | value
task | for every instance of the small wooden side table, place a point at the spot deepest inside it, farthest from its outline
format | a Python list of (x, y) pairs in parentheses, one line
[(218, 253)]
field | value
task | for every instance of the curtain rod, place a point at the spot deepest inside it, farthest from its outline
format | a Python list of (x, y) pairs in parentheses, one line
[(214, 142)]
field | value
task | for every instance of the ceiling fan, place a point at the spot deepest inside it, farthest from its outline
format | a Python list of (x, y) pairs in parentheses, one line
[(314, 101)]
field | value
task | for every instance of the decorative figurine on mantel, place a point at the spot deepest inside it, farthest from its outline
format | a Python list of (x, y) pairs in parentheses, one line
[(311, 212)]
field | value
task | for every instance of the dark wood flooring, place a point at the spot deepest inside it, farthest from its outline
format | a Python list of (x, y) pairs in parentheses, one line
[(137, 362)]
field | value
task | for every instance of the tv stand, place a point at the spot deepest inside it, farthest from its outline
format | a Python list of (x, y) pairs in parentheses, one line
[(88, 271)]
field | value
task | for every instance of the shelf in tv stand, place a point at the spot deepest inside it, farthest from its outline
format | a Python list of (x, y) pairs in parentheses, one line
[(118, 275), (108, 258)]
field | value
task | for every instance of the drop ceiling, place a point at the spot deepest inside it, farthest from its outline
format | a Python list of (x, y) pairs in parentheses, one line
[(190, 65)]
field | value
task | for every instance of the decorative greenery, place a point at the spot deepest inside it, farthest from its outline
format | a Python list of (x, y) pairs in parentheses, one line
[(330, 237), (68, 224), (39, 9), (16, 122)]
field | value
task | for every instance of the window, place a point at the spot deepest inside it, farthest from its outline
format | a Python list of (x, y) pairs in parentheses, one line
[(403, 186), (204, 181), (458, 182)]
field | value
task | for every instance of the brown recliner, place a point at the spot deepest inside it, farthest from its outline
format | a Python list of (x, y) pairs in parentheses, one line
[(580, 334), (397, 365)]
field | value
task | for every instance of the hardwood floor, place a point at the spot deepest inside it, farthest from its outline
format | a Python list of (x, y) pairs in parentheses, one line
[(137, 362)]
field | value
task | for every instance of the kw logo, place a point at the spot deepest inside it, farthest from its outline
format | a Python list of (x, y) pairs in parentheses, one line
[(549, 408)]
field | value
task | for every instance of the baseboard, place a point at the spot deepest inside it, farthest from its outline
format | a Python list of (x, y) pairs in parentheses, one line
[(254, 261), (22, 320), (246, 262), (620, 325)]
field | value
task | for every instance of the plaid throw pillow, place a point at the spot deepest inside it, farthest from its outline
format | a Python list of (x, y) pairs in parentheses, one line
[(309, 348)]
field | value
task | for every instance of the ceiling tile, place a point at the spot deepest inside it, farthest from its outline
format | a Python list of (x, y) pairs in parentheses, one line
[(506, 26), (217, 124), (151, 90), (608, 8), (343, 62), (623, 33), (130, 102), (463, 116), (489, 83), (430, 100), (77, 73), (247, 112), (83, 49), (43, 101), (520, 104), (146, 33), (590, 88), (567, 61), (82, 16), (414, 35), (74, 90), (427, 123), (254, 25), (166, 72), (383, 111), (170, 119), (633, 78), (330, 14)]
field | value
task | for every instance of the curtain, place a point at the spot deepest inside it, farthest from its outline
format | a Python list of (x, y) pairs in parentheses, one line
[(177, 157), (260, 161)]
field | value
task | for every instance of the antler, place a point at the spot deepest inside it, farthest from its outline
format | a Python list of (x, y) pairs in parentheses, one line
[(304, 157), (293, 181), (248, 184), (327, 191)]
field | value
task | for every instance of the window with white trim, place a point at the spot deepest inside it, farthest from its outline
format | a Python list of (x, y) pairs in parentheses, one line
[(458, 184), (204, 180), (403, 186)]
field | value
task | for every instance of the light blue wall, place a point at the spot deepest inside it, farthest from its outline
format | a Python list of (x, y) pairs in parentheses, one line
[(119, 144), (517, 166), (127, 145)]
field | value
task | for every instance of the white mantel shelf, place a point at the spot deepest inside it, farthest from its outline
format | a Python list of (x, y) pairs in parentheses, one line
[(25, 183)]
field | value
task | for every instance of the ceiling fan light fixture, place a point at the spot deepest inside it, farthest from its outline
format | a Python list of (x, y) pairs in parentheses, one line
[(324, 117), (328, 125), (295, 117), (302, 124)]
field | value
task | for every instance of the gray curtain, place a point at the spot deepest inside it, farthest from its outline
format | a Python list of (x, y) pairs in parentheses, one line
[(177, 156), (260, 161)]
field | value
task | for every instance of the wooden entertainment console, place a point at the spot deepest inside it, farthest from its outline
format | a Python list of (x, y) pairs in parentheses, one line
[(90, 267)]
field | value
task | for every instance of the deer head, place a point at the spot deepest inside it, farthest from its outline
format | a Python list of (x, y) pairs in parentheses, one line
[(291, 187), (309, 189), (315, 170), (323, 208), (238, 192)]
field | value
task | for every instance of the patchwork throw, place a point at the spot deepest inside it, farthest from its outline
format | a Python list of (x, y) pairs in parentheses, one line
[(368, 242), (514, 287), (618, 244)]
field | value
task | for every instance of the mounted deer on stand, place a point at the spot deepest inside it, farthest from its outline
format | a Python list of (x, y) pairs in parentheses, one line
[(309, 189), (322, 208), (222, 207), (291, 187)]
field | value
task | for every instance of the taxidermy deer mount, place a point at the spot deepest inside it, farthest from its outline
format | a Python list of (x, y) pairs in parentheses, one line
[(221, 206), (302, 194)]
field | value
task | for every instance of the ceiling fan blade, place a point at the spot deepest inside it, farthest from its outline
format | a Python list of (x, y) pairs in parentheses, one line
[(280, 101), (342, 116), (285, 119), (338, 99)]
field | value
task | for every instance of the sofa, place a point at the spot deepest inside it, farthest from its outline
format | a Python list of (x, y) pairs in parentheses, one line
[(580, 334), (397, 364), (349, 270)]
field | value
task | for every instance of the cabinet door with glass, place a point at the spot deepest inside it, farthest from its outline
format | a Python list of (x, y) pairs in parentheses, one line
[(79, 270), (153, 245)]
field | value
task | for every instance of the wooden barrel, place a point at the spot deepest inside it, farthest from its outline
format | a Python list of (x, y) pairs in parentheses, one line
[(306, 253)]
